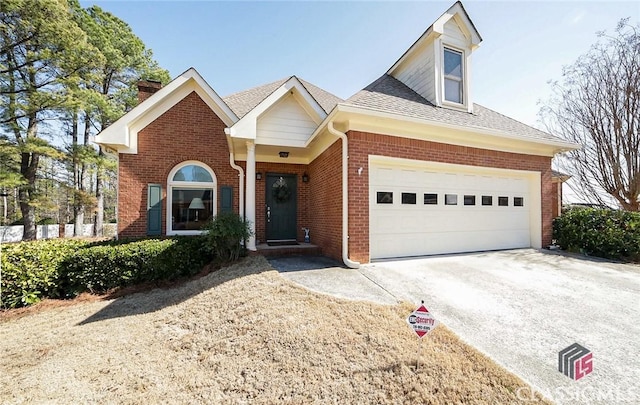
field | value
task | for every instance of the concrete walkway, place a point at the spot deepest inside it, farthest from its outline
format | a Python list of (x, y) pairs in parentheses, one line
[(327, 276), (519, 307)]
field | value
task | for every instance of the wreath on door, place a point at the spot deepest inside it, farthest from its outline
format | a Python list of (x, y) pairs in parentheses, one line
[(280, 191)]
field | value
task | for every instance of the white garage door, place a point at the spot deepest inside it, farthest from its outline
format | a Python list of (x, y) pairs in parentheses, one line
[(423, 208)]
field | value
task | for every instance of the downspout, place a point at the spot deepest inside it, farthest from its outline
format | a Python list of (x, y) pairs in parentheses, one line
[(232, 162), (345, 197)]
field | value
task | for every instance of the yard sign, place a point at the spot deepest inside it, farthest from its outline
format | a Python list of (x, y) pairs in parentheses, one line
[(421, 321)]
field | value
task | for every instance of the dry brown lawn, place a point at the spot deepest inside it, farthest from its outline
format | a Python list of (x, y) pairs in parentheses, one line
[(240, 335)]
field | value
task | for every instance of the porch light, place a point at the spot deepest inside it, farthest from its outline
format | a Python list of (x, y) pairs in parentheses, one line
[(258, 176), (284, 154), (305, 178)]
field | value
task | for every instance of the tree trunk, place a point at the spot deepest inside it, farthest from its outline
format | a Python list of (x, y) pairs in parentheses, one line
[(78, 222), (28, 216), (78, 207), (28, 168), (4, 207), (99, 218)]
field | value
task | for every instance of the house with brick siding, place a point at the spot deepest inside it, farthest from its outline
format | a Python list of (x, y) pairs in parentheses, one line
[(407, 166)]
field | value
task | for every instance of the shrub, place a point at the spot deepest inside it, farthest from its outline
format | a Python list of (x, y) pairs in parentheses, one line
[(599, 232), (30, 270), (61, 268), (225, 235), (123, 263)]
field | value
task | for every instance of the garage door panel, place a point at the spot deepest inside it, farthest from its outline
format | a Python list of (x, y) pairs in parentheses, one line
[(398, 229), (388, 245), (387, 223)]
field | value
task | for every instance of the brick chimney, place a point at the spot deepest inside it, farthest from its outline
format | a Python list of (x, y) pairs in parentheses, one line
[(146, 88)]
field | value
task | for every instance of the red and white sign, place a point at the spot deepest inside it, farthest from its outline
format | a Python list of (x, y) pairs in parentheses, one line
[(421, 321)]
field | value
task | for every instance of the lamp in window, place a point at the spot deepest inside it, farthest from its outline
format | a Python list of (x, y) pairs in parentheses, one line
[(196, 204)]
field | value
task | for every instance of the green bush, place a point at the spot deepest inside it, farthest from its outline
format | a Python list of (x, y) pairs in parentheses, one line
[(123, 263), (225, 235), (61, 268), (30, 270), (599, 232)]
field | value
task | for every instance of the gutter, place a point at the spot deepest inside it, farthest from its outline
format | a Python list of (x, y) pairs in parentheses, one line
[(345, 197), (232, 162), (340, 108)]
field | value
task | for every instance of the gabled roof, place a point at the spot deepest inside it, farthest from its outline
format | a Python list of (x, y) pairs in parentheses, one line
[(244, 101), (253, 104), (436, 29), (122, 135), (387, 94)]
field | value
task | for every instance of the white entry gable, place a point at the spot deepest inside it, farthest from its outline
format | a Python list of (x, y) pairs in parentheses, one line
[(286, 123), (438, 65), (122, 135), (287, 117)]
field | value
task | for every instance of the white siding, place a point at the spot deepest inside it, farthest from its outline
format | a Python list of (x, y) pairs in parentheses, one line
[(285, 124), (453, 32), (418, 72)]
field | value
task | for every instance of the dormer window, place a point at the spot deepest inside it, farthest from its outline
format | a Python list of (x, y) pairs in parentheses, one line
[(453, 76)]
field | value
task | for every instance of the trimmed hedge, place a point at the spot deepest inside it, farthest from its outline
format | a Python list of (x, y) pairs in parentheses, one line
[(599, 232), (31, 270), (61, 268), (119, 264)]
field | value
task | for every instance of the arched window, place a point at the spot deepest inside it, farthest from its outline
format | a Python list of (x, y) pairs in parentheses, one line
[(191, 198)]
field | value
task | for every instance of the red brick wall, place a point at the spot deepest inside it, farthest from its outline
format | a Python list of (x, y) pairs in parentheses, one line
[(325, 204), (362, 144), (188, 131)]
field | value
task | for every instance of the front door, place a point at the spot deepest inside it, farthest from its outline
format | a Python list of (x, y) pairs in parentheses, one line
[(281, 206)]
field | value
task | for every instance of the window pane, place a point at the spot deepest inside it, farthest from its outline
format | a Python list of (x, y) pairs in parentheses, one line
[(431, 199), (487, 200), (503, 201), (518, 201), (452, 63), (193, 173), (453, 91), (385, 197), (450, 199), (408, 198), (191, 208), (469, 200)]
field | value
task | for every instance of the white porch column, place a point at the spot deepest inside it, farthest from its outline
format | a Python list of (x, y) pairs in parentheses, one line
[(250, 196)]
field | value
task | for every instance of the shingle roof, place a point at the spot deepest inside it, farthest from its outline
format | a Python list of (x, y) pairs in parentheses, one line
[(243, 102), (326, 100), (387, 94)]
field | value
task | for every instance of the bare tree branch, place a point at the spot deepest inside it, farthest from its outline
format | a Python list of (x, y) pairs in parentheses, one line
[(597, 104)]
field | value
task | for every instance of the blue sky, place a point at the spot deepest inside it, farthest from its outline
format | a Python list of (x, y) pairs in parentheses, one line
[(343, 46)]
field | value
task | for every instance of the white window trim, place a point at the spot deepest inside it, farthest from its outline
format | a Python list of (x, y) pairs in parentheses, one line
[(189, 184), (463, 84)]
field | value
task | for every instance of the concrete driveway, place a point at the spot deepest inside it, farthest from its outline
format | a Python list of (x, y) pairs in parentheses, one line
[(520, 307)]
